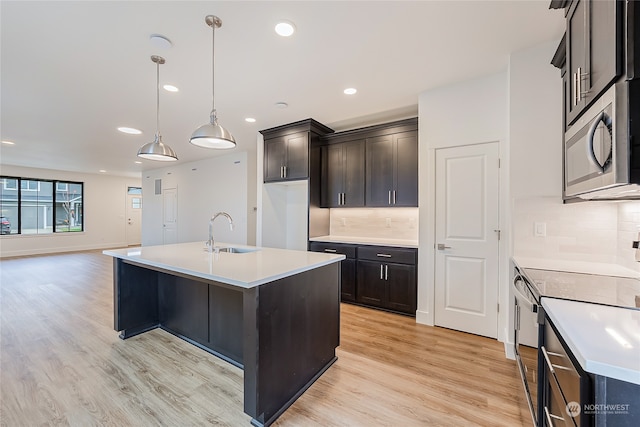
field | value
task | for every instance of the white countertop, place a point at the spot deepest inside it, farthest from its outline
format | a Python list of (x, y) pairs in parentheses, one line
[(380, 241), (602, 269), (605, 340), (246, 270)]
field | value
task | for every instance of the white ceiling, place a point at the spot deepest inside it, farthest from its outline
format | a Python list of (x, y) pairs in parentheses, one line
[(72, 72)]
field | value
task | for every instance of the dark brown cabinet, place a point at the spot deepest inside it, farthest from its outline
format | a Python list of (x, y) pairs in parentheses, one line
[(287, 148), (386, 278), (342, 182), (348, 266), (593, 52), (392, 170)]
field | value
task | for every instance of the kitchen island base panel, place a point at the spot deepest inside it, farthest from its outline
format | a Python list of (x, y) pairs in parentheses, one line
[(283, 333)]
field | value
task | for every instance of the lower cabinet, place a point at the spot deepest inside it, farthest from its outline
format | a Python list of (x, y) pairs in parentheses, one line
[(377, 276), (387, 279), (573, 397), (348, 266)]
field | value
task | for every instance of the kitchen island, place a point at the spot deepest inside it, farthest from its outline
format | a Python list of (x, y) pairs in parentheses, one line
[(273, 312)]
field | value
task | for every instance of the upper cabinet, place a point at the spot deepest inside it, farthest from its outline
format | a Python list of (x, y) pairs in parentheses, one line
[(287, 148), (343, 174), (593, 52), (375, 166), (392, 170)]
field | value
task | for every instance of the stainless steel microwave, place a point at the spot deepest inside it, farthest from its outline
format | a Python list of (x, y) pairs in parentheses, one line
[(600, 162)]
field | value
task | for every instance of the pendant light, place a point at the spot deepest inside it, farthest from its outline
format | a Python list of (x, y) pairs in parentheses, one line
[(212, 135), (156, 150)]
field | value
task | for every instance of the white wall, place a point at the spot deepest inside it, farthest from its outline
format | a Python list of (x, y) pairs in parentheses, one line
[(204, 187), (469, 112), (105, 199)]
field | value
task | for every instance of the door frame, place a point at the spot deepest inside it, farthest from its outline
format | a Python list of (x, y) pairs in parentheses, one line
[(425, 313)]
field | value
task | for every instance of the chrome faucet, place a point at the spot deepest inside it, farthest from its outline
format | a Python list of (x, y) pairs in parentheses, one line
[(211, 242)]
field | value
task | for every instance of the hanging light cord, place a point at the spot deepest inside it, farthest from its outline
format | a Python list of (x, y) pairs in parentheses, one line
[(158, 98), (213, 70)]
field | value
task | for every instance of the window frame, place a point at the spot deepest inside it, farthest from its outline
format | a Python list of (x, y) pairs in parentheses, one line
[(54, 200)]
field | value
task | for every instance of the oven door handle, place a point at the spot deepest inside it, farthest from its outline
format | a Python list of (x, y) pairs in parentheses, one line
[(520, 296)]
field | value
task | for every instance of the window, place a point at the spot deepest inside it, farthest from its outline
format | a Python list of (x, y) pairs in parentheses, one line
[(9, 206), (134, 190), (136, 203), (37, 206), (69, 208)]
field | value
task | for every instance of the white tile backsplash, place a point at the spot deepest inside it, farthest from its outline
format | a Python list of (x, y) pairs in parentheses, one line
[(390, 223), (584, 231)]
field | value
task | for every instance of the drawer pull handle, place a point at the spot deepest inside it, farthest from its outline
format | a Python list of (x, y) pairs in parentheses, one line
[(549, 416), (546, 358), (333, 251), (384, 255)]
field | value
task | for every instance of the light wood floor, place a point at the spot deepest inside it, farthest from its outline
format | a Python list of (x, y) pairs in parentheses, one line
[(61, 363)]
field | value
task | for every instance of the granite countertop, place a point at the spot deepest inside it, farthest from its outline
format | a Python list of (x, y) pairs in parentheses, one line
[(379, 241), (246, 270), (603, 339)]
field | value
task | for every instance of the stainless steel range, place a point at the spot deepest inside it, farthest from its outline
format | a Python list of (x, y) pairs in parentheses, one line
[(526, 335), (530, 285)]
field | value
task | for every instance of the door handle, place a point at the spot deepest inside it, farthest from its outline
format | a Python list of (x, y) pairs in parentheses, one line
[(442, 247)]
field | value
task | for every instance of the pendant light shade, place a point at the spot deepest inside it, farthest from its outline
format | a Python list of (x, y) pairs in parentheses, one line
[(212, 134), (157, 150)]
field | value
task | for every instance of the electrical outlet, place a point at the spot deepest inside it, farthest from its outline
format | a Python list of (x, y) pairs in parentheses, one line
[(344, 221), (540, 229), (388, 222)]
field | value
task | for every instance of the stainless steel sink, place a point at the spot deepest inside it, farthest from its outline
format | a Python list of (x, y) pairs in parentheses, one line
[(233, 250)]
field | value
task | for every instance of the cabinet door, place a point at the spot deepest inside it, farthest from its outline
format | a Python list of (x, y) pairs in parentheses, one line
[(406, 166), (371, 289), (401, 284), (577, 36), (348, 292), (353, 173), (379, 171), (275, 153), (332, 176), (183, 306), (604, 51), (297, 164)]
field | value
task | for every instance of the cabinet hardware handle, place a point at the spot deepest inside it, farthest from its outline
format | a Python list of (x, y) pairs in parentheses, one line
[(386, 272), (389, 196), (333, 251), (384, 255), (285, 171), (380, 271), (394, 197), (546, 358), (281, 171), (549, 415), (575, 95)]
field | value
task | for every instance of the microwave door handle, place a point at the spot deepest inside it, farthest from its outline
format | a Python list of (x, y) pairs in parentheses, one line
[(602, 117)]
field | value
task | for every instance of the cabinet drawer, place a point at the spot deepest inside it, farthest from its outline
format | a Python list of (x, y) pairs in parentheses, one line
[(387, 254), (334, 248)]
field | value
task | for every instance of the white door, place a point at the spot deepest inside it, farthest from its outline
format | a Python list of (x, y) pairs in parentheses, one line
[(134, 215), (466, 276), (170, 216)]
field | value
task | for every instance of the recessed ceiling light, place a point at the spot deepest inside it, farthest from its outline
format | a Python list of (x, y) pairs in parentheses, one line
[(8, 142), (350, 91), (131, 131), (250, 120), (281, 105), (102, 171), (285, 28), (170, 88), (137, 162), (159, 41)]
